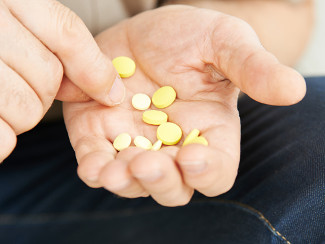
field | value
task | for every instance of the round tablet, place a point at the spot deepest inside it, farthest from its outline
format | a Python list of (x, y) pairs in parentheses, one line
[(141, 101), (157, 145), (193, 134), (164, 97), (154, 117), (199, 140), (122, 141), (169, 133), (142, 142), (124, 65)]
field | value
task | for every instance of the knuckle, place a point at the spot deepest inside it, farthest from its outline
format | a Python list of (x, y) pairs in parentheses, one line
[(34, 115), (67, 23), (30, 109)]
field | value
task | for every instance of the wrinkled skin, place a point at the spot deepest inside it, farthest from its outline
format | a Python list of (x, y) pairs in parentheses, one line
[(207, 57)]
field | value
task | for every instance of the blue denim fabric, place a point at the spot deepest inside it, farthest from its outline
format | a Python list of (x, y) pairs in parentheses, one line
[(278, 197)]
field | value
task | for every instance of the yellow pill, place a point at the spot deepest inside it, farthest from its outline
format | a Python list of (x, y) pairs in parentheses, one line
[(122, 141), (124, 66), (169, 133), (142, 142), (193, 134), (154, 117), (164, 97), (141, 101), (199, 140), (157, 145)]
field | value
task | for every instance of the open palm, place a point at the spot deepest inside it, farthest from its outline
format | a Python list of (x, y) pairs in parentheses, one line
[(206, 57)]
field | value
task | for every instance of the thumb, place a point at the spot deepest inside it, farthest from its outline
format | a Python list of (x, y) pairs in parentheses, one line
[(260, 75), (64, 33)]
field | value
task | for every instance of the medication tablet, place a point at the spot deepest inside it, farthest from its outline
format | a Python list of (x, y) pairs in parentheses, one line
[(122, 141), (164, 97), (142, 142), (154, 117), (141, 101), (199, 140), (193, 134), (169, 133), (124, 66), (157, 145)]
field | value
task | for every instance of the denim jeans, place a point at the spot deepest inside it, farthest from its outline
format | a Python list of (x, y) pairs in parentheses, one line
[(278, 197)]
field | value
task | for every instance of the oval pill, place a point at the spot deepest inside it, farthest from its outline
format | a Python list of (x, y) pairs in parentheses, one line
[(193, 134), (125, 66), (164, 97), (142, 142), (169, 133), (141, 101), (157, 145), (122, 141), (199, 140), (154, 117)]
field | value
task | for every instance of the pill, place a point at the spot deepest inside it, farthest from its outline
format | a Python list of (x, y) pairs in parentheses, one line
[(142, 142), (154, 117), (157, 145), (124, 66), (193, 134), (164, 97), (122, 141), (169, 133), (199, 140), (141, 101)]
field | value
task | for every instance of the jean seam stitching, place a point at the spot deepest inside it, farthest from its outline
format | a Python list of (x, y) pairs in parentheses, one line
[(256, 213)]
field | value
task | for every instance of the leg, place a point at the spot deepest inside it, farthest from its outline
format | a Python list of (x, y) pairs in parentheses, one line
[(281, 179)]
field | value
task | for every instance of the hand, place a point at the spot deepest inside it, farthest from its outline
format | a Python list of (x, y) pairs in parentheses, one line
[(38, 40), (206, 56)]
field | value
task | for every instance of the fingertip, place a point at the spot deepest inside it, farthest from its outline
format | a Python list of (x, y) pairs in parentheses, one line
[(293, 87), (270, 82), (285, 87), (147, 165), (90, 166), (115, 176), (8, 140)]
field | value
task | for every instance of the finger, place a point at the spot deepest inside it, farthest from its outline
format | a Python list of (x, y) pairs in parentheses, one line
[(244, 61), (64, 33), (69, 92), (212, 169), (27, 56), (20, 107), (8, 140), (92, 154), (159, 176), (117, 178)]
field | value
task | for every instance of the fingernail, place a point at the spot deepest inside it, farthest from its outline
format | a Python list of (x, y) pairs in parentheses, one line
[(194, 167), (117, 92), (151, 177), (120, 185)]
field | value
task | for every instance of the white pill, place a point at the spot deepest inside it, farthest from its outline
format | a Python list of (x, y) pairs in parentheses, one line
[(141, 101), (142, 142), (157, 145)]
